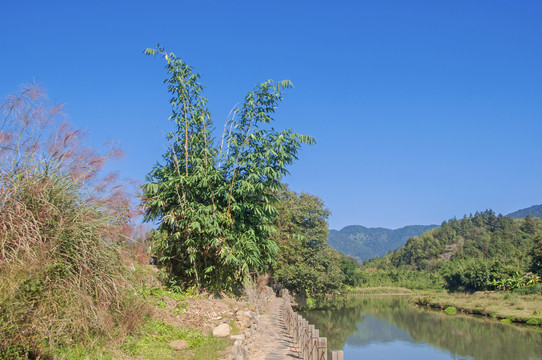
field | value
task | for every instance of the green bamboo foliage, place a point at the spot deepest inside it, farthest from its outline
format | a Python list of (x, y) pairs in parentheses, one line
[(212, 202)]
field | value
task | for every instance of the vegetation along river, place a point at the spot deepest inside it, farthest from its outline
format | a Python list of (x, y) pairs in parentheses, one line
[(391, 328)]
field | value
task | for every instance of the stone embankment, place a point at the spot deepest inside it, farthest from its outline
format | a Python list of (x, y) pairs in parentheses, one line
[(251, 320), (278, 333), (266, 336), (274, 342)]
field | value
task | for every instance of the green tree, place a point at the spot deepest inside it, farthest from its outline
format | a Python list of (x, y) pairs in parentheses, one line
[(306, 263), (536, 254), (214, 204), (529, 226), (351, 271)]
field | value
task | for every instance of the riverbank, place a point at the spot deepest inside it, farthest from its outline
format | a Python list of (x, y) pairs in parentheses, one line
[(507, 307), (161, 324), (382, 290)]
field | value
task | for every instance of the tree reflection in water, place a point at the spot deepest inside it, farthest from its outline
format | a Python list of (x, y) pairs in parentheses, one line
[(361, 322)]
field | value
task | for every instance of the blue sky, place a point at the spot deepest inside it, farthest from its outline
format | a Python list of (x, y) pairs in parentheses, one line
[(422, 110)]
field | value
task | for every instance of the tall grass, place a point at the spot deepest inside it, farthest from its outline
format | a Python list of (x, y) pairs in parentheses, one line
[(62, 280)]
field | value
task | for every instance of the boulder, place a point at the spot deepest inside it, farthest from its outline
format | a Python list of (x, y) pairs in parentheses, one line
[(222, 331)]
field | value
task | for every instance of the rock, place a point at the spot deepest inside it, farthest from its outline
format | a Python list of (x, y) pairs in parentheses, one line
[(252, 308), (222, 331), (243, 319), (179, 344), (238, 337)]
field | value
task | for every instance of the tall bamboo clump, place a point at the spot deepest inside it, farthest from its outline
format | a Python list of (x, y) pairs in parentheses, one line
[(60, 273), (214, 204)]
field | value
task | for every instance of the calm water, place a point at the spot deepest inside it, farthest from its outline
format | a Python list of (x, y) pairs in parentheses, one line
[(389, 328)]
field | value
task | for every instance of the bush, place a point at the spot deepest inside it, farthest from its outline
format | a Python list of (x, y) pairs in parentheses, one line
[(535, 289), (403, 277), (534, 321), (60, 270), (474, 274), (450, 310)]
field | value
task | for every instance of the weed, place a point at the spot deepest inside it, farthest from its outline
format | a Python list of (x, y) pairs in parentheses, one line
[(154, 338), (234, 329)]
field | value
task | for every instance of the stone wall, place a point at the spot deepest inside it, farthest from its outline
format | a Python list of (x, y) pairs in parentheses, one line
[(258, 298)]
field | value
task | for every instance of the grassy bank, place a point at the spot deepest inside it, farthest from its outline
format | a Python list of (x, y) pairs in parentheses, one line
[(381, 290), (156, 317), (73, 284), (508, 307)]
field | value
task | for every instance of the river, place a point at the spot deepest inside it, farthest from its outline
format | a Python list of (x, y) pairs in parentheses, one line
[(390, 328)]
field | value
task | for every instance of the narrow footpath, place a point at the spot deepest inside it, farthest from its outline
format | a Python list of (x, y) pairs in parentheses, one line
[(274, 342)]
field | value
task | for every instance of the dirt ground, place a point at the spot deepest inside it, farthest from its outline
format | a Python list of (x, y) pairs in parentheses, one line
[(203, 310)]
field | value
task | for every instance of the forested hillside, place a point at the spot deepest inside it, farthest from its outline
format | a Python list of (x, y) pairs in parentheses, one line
[(473, 253), (533, 211), (365, 243)]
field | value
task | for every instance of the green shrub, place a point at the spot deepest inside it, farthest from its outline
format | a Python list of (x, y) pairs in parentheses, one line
[(534, 321), (450, 310), (535, 289), (403, 277), (423, 301)]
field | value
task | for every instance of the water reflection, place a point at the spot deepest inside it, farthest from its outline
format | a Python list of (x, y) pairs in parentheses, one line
[(390, 328)]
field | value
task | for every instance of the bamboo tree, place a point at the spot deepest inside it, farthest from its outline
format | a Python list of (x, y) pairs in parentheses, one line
[(215, 209)]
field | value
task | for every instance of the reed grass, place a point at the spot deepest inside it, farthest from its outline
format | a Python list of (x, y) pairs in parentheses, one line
[(62, 280)]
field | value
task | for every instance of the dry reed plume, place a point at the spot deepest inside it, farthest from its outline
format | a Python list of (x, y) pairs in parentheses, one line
[(62, 280)]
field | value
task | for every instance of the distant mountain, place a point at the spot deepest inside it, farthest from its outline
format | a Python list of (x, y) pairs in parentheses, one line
[(533, 211), (365, 243)]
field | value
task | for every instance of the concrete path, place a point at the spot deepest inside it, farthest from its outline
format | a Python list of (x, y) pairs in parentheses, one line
[(274, 342)]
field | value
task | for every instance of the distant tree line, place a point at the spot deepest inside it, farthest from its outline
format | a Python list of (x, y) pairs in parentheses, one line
[(479, 252)]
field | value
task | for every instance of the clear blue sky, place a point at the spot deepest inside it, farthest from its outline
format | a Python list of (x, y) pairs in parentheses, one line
[(422, 110)]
